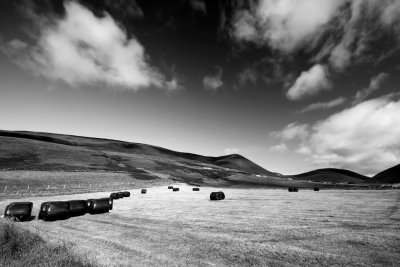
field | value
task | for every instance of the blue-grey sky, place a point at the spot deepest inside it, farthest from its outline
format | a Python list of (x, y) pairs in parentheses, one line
[(292, 85)]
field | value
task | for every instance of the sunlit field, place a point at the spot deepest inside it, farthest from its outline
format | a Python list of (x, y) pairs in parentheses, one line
[(250, 227)]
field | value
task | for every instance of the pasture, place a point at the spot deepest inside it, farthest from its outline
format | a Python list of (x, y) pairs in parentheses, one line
[(250, 227)]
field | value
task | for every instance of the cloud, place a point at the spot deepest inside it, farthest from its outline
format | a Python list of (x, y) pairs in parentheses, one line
[(293, 131), (279, 148), (374, 85), (247, 76), (199, 5), (231, 150), (213, 83), (80, 48), (309, 83), (285, 25), (335, 32), (324, 105), (362, 138)]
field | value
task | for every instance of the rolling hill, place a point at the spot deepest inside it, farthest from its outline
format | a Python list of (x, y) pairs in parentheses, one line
[(391, 175), (331, 175)]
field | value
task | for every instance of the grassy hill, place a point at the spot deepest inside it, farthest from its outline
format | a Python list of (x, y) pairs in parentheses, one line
[(55, 152), (391, 175), (331, 175)]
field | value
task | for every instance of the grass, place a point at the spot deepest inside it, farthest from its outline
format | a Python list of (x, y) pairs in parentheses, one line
[(20, 247), (255, 227)]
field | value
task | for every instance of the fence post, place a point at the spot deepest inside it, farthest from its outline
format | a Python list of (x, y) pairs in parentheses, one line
[(48, 187), (64, 186), (90, 185), (5, 188), (28, 187)]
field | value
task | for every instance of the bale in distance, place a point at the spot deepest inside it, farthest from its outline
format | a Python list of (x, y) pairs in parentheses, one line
[(98, 206), (170, 187), (114, 196), (175, 189), (316, 189), (217, 195), (126, 193), (19, 211), (120, 194), (195, 189), (54, 211), (293, 189), (77, 208), (144, 191)]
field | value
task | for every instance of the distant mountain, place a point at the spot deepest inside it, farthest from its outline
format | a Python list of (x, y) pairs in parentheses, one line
[(391, 175), (47, 151), (331, 175)]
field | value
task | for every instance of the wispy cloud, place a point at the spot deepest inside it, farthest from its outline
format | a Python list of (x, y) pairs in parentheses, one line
[(374, 85), (81, 48), (231, 150), (213, 82), (279, 148), (309, 82), (324, 105), (199, 5)]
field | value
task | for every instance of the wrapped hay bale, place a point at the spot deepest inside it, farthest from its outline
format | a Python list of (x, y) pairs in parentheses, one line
[(19, 211)]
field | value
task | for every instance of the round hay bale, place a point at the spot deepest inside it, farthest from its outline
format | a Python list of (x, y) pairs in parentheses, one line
[(110, 202), (19, 211), (217, 195), (170, 187), (144, 191), (114, 196), (77, 207), (98, 206), (175, 189), (126, 193), (295, 189), (195, 189), (54, 210), (120, 195), (316, 189)]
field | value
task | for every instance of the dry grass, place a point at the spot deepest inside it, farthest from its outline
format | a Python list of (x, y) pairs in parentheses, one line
[(21, 247), (250, 227)]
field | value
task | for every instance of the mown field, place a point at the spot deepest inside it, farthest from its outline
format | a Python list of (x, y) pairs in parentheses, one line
[(250, 227)]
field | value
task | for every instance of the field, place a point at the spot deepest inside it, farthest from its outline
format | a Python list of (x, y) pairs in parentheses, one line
[(250, 227)]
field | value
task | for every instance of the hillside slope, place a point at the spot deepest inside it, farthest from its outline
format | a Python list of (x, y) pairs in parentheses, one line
[(391, 175), (46, 152), (331, 175)]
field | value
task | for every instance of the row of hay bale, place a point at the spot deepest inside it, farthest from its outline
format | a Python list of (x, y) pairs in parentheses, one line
[(175, 189), (62, 210), (295, 189)]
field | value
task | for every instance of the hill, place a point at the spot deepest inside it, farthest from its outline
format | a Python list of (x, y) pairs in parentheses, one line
[(391, 175), (331, 175), (57, 152)]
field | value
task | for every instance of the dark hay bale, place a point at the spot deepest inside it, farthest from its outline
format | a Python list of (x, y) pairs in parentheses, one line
[(77, 207), (120, 195), (175, 189), (316, 189), (110, 202), (98, 206), (144, 191), (55, 210), (18, 211), (217, 195), (126, 194), (195, 189), (293, 189), (114, 196), (170, 187)]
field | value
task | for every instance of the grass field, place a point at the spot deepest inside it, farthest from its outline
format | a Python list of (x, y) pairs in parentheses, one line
[(250, 227)]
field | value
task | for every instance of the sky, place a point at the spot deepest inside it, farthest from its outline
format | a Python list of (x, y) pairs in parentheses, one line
[(293, 85)]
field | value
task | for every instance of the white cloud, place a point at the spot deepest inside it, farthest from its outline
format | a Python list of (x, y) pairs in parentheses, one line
[(293, 131), (285, 25), (279, 148), (363, 138), (231, 150), (199, 5), (81, 48), (213, 83), (374, 85), (309, 83), (324, 105)]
